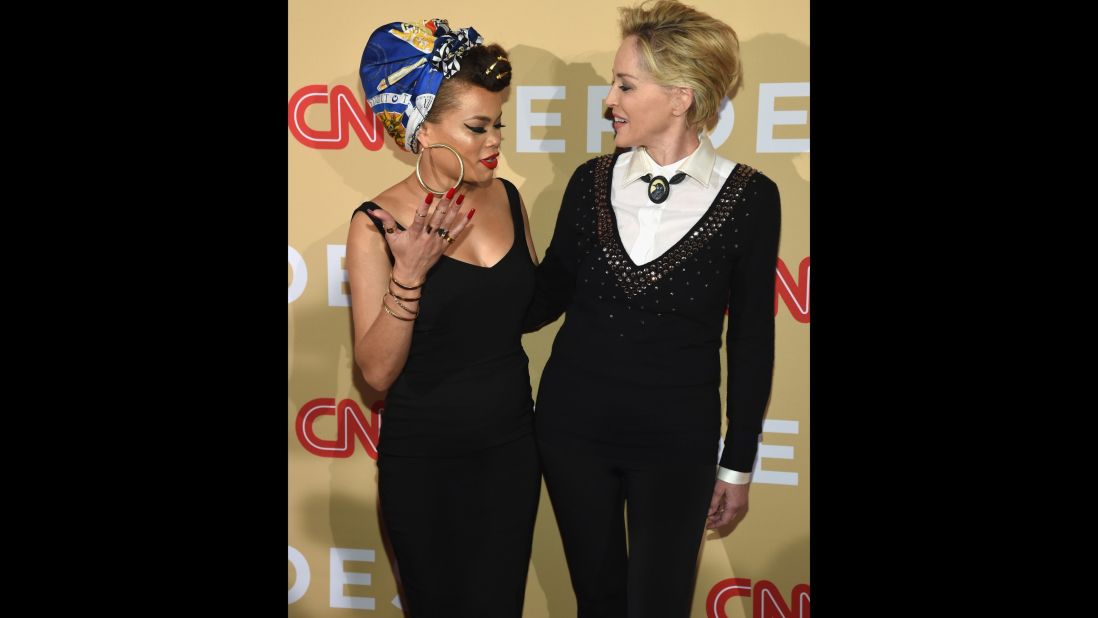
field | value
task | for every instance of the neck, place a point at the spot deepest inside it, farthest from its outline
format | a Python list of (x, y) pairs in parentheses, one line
[(466, 187), (673, 148)]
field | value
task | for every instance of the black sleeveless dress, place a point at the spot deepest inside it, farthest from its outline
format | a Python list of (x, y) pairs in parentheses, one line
[(458, 474), (466, 385)]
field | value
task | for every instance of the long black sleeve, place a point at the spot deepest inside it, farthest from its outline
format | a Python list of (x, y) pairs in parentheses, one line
[(556, 274), (749, 343)]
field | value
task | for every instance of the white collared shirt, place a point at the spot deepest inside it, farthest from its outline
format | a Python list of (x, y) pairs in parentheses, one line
[(648, 229)]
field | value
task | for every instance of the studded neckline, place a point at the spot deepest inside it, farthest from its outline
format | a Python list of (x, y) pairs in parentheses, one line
[(634, 278)]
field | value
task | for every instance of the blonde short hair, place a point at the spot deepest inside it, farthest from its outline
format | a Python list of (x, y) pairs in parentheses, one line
[(681, 46)]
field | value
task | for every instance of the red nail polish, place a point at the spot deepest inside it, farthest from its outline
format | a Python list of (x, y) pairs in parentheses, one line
[(470, 215), (450, 193), (461, 198), (429, 199)]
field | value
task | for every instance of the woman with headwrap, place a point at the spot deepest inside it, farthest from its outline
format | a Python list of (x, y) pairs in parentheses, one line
[(437, 303)]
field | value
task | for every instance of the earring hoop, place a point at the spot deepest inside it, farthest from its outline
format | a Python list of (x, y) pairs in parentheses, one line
[(419, 177)]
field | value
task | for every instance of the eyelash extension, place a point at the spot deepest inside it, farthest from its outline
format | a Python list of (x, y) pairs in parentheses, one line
[(482, 129)]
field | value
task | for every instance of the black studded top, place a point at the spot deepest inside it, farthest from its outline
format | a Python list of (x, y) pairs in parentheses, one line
[(635, 368)]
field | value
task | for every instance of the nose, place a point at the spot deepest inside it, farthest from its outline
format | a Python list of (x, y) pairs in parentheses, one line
[(495, 137), (611, 99)]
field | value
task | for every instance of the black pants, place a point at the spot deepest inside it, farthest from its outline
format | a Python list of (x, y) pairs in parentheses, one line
[(461, 529), (667, 504)]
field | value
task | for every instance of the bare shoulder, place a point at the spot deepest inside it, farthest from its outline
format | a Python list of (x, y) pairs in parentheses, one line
[(400, 202), (364, 233)]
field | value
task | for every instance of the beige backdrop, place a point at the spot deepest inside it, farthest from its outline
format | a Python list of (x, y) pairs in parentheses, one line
[(338, 158)]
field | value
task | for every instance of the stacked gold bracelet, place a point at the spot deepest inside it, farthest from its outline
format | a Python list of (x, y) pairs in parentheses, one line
[(389, 292), (402, 286)]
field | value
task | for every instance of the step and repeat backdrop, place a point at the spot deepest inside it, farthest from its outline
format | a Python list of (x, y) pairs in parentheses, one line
[(339, 156)]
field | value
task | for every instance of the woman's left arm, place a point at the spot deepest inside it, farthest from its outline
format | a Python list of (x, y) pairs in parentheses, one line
[(749, 342)]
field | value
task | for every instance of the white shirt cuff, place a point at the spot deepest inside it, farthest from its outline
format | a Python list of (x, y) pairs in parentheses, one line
[(732, 476)]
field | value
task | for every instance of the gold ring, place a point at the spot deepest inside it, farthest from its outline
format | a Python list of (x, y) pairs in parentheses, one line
[(449, 239)]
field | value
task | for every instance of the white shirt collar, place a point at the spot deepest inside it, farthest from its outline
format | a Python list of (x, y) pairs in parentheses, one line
[(698, 165)]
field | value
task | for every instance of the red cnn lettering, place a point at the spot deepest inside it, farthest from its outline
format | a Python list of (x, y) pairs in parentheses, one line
[(795, 296), (350, 421), (767, 601), (345, 113), (722, 591)]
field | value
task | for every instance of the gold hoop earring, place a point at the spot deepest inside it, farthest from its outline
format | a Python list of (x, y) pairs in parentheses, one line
[(419, 177)]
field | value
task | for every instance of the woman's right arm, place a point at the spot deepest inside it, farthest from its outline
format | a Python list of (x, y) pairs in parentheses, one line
[(383, 337), (556, 274), (381, 341)]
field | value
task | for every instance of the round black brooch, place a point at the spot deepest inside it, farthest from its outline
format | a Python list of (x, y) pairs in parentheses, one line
[(659, 188)]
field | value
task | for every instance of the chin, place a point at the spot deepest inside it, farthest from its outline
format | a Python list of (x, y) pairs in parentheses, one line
[(622, 142)]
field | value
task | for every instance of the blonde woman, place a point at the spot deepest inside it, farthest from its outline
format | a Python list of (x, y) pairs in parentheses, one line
[(650, 246)]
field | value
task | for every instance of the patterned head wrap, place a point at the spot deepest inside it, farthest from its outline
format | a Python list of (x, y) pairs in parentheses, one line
[(402, 68)]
